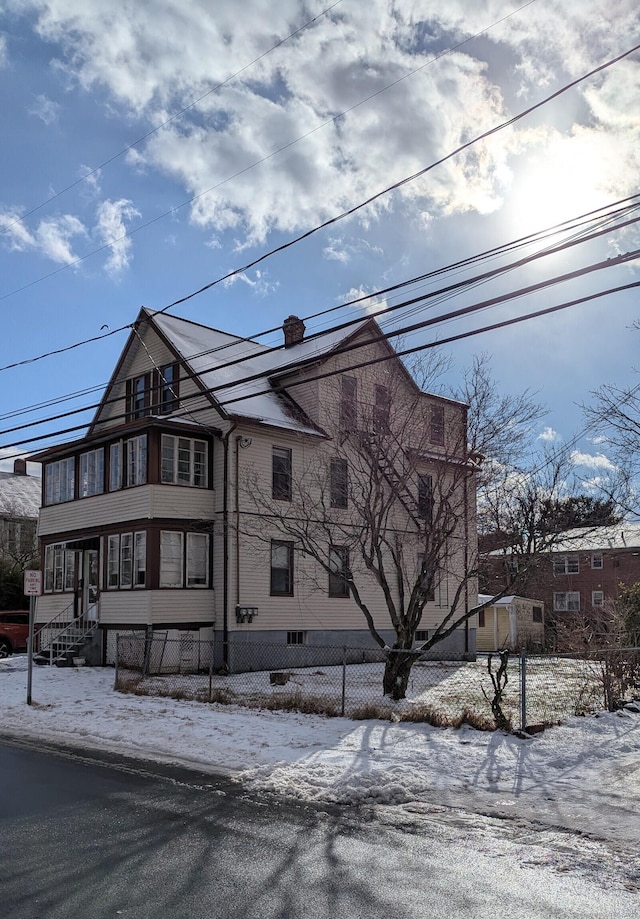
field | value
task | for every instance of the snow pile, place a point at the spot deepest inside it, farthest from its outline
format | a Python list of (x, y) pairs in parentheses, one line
[(583, 775)]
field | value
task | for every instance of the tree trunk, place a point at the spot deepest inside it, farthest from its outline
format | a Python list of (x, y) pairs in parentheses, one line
[(397, 670)]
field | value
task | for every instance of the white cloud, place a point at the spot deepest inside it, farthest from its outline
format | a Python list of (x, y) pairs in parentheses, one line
[(4, 57), (45, 109), (260, 284), (597, 461), (371, 305), (549, 435), (51, 237), (112, 228), (336, 251)]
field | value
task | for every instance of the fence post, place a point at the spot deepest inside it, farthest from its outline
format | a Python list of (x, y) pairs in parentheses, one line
[(523, 690), (344, 678), (210, 669)]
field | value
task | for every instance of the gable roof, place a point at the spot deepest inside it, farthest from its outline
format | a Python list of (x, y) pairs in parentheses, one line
[(595, 539), (212, 355), (20, 495)]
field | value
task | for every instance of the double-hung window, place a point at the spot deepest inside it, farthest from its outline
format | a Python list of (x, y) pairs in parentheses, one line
[(338, 571), (339, 482), (348, 404), (184, 461), (168, 389), (436, 426), (126, 560), (92, 473), (566, 601), (59, 569), (59, 481), (381, 410), (281, 568), (566, 564), (171, 558), (138, 396), (425, 497), (281, 470), (136, 470), (197, 559)]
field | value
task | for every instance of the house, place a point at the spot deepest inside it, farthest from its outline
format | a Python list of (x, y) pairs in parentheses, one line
[(510, 622), (588, 565), (19, 507), (171, 514)]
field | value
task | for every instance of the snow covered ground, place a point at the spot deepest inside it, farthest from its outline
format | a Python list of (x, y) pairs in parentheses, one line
[(582, 777)]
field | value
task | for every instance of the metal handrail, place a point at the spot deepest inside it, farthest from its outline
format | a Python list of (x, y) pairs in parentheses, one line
[(79, 628)]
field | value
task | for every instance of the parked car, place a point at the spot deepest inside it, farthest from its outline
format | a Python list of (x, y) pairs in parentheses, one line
[(14, 631)]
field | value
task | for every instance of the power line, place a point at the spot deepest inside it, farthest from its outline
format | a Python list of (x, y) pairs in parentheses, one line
[(438, 295), (167, 121), (301, 364)]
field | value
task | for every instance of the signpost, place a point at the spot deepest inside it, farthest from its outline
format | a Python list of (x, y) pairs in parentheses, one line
[(32, 589)]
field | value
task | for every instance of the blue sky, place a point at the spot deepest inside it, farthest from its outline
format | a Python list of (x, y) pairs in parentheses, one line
[(365, 95)]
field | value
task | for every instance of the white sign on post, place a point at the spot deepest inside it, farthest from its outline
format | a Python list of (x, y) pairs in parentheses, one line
[(32, 583)]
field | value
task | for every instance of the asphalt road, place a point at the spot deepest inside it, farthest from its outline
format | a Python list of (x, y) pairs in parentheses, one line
[(91, 838)]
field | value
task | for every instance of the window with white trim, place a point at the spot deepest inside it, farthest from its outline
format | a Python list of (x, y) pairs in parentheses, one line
[(338, 571), (136, 460), (59, 569), (296, 638), (197, 559), (597, 560), (92, 473), (566, 564), (168, 389), (171, 558), (281, 473), (126, 560), (281, 568), (59, 481), (115, 466), (597, 598), (567, 601), (184, 461)]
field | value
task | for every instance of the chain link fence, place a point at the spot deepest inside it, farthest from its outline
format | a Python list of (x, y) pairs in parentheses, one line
[(514, 691)]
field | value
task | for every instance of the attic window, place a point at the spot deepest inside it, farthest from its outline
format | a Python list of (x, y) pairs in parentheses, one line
[(138, 396), (436, 429), (168, 389)]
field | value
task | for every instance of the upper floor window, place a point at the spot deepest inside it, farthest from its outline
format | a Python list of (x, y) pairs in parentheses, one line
[(338, 571), (92, 473), (184, 461), (436, 427), (138, 394), (128, 463), (339, 482), (381, 410), (425, 496), (168, 389), (281, 474), (348, 403), (566, 564), (59, 481), (597, 560)]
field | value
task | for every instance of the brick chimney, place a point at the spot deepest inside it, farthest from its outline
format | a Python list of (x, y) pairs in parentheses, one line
[(293, 329), (20, 467)]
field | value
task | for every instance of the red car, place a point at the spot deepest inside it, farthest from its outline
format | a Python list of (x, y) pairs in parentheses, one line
[(14, 631)]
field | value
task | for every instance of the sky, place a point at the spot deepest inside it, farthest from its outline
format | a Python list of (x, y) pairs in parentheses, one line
[(558, 810), (150, 150)]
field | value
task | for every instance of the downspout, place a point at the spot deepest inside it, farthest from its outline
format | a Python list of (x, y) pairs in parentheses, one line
[(225, 546), (466, 550)]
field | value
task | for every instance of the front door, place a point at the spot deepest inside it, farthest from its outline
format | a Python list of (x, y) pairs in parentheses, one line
[(90, 569)]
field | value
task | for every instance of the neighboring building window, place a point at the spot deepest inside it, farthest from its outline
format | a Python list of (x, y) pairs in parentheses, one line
[(382, 410), (197, 559), (349, 404), (339, 482), (339, 571), (566, 564), (428, 581), (171, 554), (597, 598), (281, 568), (597, 560), (59, 481), (59, 569), (425, 496), (184, 461), (168, 389), (436, 428), (281, 474), (537, 614), (422, 635), (136, 461), (295, 638), (481, 619), (138, 396), (566, 601), (92, 473), (126, 560)]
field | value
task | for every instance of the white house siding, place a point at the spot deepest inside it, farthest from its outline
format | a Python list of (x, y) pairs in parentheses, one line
[(126, 607), (48, 606), (177, 606)]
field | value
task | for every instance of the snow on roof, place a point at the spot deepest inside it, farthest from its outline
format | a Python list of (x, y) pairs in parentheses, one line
[(596, 539), (19, 495), (209, 352)]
